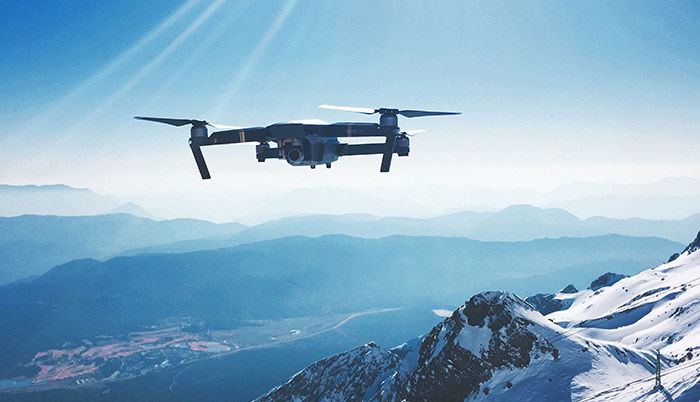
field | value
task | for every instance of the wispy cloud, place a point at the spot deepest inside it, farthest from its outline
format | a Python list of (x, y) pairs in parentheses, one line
[(251, 61)]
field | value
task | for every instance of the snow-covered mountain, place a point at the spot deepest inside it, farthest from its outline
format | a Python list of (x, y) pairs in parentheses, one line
[(600, 346)]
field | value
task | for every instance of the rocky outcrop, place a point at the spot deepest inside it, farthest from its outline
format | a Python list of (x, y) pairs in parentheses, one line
[(569, 289), (488, 333), (547, 303), (694, 246), (607, 279), (362, 369)]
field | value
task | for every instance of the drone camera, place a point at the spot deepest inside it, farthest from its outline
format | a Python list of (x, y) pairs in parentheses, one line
[(295, 155)]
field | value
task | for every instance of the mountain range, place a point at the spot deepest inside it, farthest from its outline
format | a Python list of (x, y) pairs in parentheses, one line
[(667, 198), (32, 244), (220, 290), (514, 223)]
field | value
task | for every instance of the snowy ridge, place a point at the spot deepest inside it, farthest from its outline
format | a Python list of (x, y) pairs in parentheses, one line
[(656, 309)]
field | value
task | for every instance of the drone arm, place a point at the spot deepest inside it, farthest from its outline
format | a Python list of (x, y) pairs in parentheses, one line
[(236, 136), (388, 152), (199, 159), (361, 149), (352, 130)]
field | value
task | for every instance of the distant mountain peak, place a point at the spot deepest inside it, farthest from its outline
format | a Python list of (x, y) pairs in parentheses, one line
[(132, 209), (486, 308), (607, 279), (569, 289)]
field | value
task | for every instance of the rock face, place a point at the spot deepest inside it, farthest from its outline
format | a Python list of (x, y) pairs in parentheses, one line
[(363, 369), (448, 364), (547, 303), (488, 348), (462, 352)]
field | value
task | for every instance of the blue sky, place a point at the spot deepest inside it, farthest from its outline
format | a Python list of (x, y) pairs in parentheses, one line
[(552, 91)]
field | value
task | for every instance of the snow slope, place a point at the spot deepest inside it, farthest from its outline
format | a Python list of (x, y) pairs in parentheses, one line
[(658, 309)]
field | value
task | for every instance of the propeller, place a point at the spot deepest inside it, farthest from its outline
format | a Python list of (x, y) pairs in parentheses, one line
[(198, 137), (405, 113), (182, 122), (389, 122)]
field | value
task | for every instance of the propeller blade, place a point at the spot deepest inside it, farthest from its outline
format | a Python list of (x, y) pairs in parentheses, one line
[(411, 133), (422, 113), (199, 159), (388, 153), (172, 122), (182, 122), (363, 110)]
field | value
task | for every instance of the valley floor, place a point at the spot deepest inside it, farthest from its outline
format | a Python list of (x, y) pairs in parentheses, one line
[(110, 358)]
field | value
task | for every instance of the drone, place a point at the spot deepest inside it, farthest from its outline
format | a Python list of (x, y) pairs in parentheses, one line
[(307, 143)]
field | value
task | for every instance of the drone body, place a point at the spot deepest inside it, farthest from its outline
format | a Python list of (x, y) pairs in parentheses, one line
[(304, 144)]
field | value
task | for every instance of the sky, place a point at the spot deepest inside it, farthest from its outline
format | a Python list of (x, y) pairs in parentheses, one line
[(551, 92)]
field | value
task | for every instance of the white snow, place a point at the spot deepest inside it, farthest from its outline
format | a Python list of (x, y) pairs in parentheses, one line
[(442, 313), (474, 339)]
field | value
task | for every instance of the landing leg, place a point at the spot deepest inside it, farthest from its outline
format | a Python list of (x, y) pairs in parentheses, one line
[(313, 166), (328, 165)]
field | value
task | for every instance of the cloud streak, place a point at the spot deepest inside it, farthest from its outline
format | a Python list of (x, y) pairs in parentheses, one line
[(115, 64), (151, 65), (251, 61), (196, 56)]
